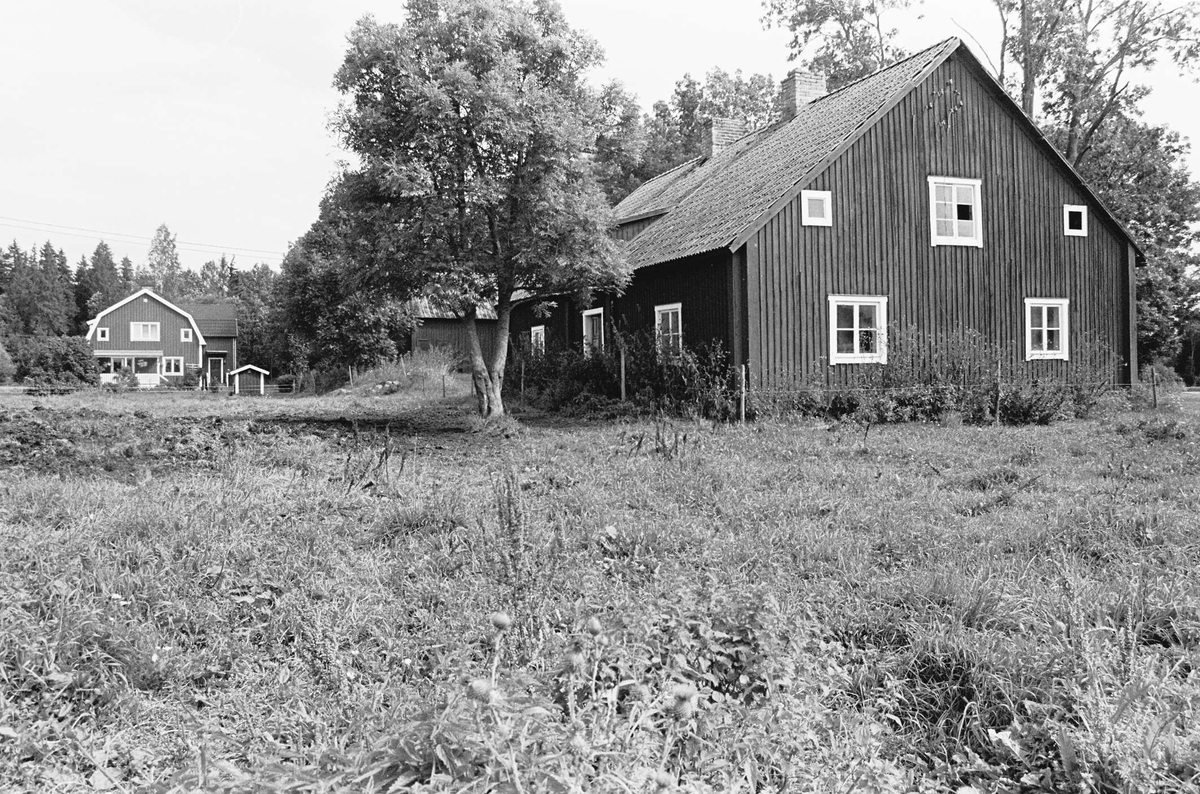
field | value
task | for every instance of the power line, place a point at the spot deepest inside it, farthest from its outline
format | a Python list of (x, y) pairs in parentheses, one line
[(77, 231)]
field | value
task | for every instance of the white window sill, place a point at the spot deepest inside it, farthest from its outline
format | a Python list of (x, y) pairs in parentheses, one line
[(957, 241)]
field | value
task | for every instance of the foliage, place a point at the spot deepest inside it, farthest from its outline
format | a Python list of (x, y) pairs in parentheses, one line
[(471, 120), (7, 368), (930, 377), (844, 39), (54, 359), (38, 298), (162, 264)]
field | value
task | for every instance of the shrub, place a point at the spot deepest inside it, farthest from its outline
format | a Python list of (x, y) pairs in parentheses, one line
[(55, 359), (931, 376), (7, 367)]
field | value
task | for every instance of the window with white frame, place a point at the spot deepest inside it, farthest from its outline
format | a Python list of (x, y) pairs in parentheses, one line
[(101, 334), (1046, 328), (857, 329), (185, 334), (172, 365), (593, 330), (954, 211), (668, 328), (1075, 220), (537, 339), (144, 332), (816, 208)]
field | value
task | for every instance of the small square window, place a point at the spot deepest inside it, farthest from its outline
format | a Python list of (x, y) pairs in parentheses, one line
[(816, 208), (185, 334), (954, 211), (1075, 220), (857, 329), (537, 339), (101, 334), (172, 365), (593, 330), (668, 328), (1046, 328)]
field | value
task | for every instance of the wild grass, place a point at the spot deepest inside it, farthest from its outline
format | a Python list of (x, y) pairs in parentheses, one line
[(305, 603)]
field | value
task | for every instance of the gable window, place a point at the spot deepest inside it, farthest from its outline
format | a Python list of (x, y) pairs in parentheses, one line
[(537, 339), (172, 365), (668, 328), (593, 330), (857, 329), (185, 334), (954, 211), (144, 332), (1046, 328), (816, 208), (1075, 220), (101, 334)]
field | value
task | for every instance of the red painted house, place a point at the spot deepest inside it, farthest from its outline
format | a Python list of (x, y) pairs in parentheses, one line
[(161, 341), (918, 197)]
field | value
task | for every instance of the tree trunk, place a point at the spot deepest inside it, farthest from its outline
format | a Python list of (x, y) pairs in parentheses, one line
[(487, 377), (1029, 73)]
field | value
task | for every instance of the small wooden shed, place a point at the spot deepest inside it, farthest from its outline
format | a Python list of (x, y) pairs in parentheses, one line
[(252, 377)]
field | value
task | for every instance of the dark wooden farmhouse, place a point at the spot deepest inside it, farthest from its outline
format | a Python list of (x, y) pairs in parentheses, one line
[(160, 341), (920, 197)]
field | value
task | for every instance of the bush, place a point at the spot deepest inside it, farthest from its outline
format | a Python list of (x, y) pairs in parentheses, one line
[(124, 381), (929, 377), (7, 367), (68, 360), (695, 382)]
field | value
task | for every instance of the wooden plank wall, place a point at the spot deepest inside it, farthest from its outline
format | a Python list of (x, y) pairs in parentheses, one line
[(148, 310), (879, 243)]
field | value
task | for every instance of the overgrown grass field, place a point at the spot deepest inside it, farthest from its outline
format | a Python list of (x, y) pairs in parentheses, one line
[(370, 594)]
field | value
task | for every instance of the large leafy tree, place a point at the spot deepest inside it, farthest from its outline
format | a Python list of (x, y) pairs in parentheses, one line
[(845, 39), (162, 263), (471, 122)]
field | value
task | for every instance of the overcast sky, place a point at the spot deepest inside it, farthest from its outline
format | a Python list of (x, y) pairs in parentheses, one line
[(211, 116)]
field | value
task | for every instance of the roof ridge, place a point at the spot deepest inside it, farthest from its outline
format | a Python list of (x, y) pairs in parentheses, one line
[(888, 68)]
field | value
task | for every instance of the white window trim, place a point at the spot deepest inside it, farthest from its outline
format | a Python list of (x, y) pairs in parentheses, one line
[(936, 240), (659, 311), (826, 197), (537, 339), (881, 303), (185, 334), (101, 334), (163, 365), (1067, 210), (1064, 306), (156, 336), (587, 349)]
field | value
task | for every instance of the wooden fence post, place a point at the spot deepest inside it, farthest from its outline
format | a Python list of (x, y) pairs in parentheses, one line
[(1154, 387), (443, 385), (742, 394), (522, 380), (622, 352)]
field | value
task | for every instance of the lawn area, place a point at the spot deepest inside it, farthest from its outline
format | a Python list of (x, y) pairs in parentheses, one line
[(352, 593)]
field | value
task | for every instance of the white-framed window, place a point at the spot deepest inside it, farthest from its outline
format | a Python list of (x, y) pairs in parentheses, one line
[(172, 365), (1046, 328), (668, 328), (101, 334), (537, 339), (185, 334), (1075, 220), (816, 208), (593, 330), (955, 215), (857, 329), (144, 332)]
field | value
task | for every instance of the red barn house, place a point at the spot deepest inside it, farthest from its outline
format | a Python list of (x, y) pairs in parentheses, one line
[(918, 197), (161, 341)]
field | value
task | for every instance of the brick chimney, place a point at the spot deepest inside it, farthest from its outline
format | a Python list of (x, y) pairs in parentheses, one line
[(719, 133), (797, 90)]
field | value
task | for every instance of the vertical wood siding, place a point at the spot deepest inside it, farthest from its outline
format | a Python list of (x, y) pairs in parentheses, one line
[(879, 243), (452, 334), (148, 310), (627, 231)]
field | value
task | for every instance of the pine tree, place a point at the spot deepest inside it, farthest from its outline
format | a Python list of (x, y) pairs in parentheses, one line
[(128, 276), (108, 285), (84, 288)]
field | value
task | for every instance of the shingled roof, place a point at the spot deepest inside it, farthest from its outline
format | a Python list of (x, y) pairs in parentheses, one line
[(709, 203), (213, 319)]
